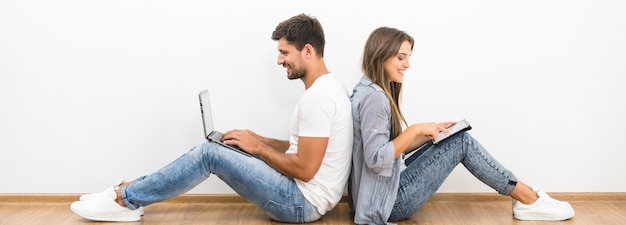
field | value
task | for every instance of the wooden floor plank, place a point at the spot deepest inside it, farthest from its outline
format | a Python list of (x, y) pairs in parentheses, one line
[(440, 210)]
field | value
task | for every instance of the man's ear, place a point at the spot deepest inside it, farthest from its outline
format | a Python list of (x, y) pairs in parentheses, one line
[(309, 50)]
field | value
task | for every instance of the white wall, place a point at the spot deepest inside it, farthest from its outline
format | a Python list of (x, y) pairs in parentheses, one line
[(95, 91)]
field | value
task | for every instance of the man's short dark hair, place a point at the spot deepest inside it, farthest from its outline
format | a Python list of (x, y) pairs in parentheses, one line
[(300, 30)]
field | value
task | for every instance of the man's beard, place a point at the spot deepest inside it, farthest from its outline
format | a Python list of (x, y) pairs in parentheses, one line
[(296, 74)]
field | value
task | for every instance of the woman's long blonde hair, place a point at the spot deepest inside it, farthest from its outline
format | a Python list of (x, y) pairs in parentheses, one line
[(382, 44)]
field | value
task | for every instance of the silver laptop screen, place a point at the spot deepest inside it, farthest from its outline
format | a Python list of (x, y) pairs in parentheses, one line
[(205, 110)]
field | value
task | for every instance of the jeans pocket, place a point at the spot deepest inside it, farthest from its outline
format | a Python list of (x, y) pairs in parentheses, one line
[(284, 213)]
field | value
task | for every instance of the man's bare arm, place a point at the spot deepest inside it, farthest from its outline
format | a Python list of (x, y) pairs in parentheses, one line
[(302, 165), (278, 145)]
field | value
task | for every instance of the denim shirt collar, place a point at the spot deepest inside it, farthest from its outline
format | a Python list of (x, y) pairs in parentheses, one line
[(366, 81)]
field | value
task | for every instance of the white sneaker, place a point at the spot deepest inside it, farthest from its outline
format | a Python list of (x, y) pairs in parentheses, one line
[(108, 193), (545, 208), (102, 209)]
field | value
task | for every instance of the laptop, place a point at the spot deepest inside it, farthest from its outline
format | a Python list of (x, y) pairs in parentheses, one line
[(207, 123)]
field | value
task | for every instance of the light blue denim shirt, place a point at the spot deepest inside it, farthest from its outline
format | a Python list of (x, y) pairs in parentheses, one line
[(375, 176)]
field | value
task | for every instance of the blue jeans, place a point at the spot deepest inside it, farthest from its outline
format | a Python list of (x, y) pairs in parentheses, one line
[(427, 170), (276, 194)]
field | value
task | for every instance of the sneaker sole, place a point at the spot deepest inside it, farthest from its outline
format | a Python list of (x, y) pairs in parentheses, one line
[(122, 218), (543, 217)]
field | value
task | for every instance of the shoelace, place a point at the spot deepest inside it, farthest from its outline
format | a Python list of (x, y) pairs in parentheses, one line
[(545, 199)]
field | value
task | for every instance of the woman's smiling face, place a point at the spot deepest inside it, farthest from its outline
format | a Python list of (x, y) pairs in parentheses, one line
[(395, 66)]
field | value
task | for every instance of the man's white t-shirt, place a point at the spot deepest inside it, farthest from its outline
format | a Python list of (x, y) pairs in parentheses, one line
[(324, 110)]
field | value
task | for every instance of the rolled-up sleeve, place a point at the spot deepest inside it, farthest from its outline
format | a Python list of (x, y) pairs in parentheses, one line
[(378, 150)]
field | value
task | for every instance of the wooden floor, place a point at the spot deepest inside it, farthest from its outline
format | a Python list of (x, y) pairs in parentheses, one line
[(448, 209)]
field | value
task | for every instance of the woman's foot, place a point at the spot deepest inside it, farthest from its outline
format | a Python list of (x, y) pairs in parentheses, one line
[(543, 208)]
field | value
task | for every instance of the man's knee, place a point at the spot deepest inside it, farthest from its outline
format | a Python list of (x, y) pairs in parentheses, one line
[(202, 152)]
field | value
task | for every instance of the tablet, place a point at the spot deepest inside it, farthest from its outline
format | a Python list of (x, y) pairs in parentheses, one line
[(459, 127)]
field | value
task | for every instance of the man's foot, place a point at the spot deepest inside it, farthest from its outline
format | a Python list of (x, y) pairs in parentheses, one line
[(103, 209), (545, 208), (108, 193)]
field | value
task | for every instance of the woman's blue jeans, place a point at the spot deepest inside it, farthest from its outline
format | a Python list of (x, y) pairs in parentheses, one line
[(427, 170), (250, 177)]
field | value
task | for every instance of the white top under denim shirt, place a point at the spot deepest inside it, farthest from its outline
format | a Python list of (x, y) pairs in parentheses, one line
[(375, 175)]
